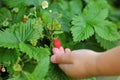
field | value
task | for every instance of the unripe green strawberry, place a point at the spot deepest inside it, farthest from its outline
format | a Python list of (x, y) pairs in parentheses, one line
[(57, 43)]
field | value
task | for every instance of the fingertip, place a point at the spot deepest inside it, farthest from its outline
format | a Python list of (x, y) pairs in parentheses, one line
[(55, 51), (61, 49), (53, 58), (67, 50)]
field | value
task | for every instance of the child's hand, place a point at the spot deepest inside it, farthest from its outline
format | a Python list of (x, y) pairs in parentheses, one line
[(78, 63)]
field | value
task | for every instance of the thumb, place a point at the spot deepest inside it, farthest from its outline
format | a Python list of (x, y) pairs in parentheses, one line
[(62, 58)]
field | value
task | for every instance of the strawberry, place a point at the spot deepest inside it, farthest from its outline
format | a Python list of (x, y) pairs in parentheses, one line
[(24, 20), (57, 43)]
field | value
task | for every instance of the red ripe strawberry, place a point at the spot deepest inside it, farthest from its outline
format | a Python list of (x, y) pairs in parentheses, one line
[(57, 43), (24, 20)]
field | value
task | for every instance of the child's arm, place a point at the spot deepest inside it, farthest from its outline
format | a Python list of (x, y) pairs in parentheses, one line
[(108, 63)]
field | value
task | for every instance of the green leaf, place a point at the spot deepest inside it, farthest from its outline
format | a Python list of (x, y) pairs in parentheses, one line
[(41, 55), (34, 52), (65, 22), (20, 32), (90, 43), (40, 71), (105, 43), (5, 14), (55, 73), (79, 20), (36, 3), (28, 31), (107, 30), (13, 3), (28, 76), (96, 10), (8, 39), (47, 18), (60, 15), (8, 56), (17, 17), (74, 7), (81, 33), (81, 30), (83, 24), (21, 3), (89, 1), (63, 4), (94, 18)]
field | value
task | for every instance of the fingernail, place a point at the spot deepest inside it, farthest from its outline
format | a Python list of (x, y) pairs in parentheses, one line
[(53, 58), (61, 50)]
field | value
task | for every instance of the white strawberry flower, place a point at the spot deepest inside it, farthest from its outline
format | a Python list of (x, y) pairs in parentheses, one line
[(44, 4)]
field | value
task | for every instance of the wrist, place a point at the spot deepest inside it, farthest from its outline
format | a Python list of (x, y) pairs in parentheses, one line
[(107, 62)]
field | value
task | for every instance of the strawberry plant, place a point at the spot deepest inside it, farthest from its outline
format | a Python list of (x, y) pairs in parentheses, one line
[(28, 29)]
